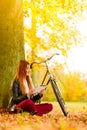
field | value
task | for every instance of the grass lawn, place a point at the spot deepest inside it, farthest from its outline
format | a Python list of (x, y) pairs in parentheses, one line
[(55, 120)]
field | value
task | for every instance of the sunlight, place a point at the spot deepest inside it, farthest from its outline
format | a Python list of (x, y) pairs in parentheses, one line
[(77, 56), (77, 59), (82, 27), (27, 20)]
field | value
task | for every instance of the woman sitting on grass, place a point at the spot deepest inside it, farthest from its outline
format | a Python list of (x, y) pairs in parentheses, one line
[(22, 89)]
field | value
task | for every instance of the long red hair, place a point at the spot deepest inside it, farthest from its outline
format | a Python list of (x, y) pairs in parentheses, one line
[(21, 74), (21, 69)]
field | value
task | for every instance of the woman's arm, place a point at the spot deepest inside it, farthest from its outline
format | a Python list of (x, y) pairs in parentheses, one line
[(17, 95)]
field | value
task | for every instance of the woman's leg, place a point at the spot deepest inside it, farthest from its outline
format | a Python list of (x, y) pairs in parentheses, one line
[(27, 105), (38, 109), (44, 108)]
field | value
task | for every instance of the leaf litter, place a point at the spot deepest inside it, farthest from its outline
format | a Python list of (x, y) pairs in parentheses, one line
[(55, 120)]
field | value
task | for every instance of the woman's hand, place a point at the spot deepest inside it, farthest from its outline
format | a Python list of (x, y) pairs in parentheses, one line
[(42, 91), (31, 91)]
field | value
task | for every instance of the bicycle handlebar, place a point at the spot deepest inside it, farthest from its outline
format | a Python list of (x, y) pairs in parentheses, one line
[(42, 61)]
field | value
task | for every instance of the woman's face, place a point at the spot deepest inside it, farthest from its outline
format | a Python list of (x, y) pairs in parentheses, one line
[(27, 70)]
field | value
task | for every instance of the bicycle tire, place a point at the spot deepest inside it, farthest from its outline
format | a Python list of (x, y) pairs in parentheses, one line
[(58, 96)]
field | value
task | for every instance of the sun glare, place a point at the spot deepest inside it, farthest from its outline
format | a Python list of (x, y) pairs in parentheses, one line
[(77, 58), (82, 27), (27, 20)]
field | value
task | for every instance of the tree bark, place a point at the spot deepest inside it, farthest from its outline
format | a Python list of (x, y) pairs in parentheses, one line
[(11, 44)]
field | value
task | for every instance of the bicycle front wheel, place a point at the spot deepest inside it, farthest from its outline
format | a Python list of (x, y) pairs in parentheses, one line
[(58, 96)]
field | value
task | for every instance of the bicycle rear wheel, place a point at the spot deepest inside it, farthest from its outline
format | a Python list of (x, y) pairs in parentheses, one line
[(58, 96)]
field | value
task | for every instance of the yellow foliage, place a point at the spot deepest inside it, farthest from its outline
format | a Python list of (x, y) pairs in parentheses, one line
[(50, 24), (53, 27), (74, 88)]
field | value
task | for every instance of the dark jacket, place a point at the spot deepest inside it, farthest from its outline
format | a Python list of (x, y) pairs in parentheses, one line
[(17, 95)]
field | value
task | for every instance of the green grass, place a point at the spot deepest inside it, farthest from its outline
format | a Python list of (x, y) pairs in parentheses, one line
[(77, 106)]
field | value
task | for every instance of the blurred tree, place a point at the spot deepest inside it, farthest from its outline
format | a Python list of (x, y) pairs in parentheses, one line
[(11, 44), (74, 88), (53, 26)]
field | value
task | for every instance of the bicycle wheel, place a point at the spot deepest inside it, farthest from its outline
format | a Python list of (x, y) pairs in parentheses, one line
[(58, 96)]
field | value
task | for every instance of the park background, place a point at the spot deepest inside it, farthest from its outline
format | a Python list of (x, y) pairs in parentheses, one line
[(35, 30)]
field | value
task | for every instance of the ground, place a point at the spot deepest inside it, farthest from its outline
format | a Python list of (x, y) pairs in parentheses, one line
[(55, 120)]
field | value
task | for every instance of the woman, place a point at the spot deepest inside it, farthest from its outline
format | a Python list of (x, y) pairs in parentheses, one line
[(22, 90)]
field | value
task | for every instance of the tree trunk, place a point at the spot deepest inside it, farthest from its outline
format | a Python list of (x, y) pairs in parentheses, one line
[(11, 44)]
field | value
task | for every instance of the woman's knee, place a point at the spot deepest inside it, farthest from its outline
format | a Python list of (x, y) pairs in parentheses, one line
[(30, 105), (50, 106)]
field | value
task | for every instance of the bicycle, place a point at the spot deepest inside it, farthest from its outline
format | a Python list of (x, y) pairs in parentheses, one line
[(53, 84)]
